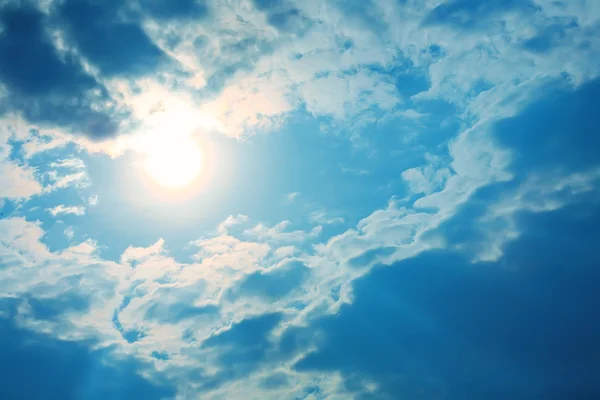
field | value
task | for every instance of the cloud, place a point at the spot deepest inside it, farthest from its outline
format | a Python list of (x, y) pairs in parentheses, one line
[(67, 172), (231, 221), (425, 179), (18, 182), (113, 45), (18, 179), (278, 233), (61, 209), (69, 232), (290, 197), (93, 200), (68, 163), (321, 217), (47, 87)]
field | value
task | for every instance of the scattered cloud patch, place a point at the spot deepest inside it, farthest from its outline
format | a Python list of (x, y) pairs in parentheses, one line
[(61, 209)]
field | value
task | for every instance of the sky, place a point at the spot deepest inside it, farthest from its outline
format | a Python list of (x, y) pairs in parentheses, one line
[(299, 199)]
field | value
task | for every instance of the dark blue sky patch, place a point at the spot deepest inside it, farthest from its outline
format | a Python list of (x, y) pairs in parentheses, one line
[(474, 14), (114, 45), (553, 136), (560, 130), (412, 82), (244, 348), (522, 328), (35, 366), (180, 9), (275, 284), (49, 309), (246, 333)]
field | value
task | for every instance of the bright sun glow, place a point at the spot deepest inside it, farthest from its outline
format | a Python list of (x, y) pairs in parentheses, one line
[(169, 142), (174, 162)]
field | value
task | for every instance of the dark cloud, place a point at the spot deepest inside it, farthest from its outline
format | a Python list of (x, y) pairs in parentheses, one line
[(109, 38), (275, 284), (46, 87), (36, 366), (474, 14)]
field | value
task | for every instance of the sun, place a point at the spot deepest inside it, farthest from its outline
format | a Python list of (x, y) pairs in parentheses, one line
[(174, 162)]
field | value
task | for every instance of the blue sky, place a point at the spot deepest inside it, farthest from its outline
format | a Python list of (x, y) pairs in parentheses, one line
[(283, 199)]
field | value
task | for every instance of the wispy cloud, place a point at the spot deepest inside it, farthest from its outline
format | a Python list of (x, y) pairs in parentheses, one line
[(93, 200), (280, 233), (61, 209), (321, 217), (291, 197)]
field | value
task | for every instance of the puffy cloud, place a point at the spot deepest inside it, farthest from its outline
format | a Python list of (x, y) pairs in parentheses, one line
[(18, 182), (425, 179), (230, 221)]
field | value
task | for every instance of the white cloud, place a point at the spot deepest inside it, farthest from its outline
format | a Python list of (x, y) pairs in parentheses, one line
[(17, 180), (69, 232), (279, 233), (61, 209), (67, 172), (230, 221), (68, 163), (425, 179), (33, 270), (93, 200)]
